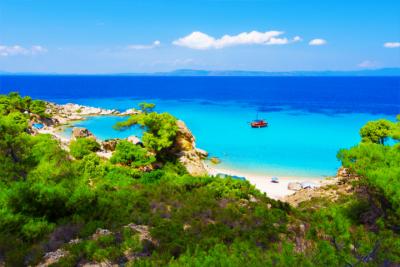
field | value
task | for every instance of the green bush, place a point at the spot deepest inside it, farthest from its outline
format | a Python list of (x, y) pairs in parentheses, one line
[(132, 155), (34, 229), (83, 146), (160, 129)]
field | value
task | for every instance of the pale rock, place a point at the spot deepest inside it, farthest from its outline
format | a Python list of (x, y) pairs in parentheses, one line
[(134, 140), (130, 111), (52, 257), (294, 186), (78, 132)]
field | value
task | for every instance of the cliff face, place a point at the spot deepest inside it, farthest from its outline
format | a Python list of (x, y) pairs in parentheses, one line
[(185, 149)]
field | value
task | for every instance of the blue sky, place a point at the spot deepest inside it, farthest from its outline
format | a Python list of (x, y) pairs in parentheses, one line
[(90, 36)]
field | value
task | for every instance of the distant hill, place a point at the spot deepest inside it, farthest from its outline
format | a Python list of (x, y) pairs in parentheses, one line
[(192, 72), (370, 72)]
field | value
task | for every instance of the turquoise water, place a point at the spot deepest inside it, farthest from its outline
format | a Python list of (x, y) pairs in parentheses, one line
[(310, 118), (101, 127), (297, 143)]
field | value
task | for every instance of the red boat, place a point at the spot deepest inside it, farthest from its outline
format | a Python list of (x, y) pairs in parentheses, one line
[(258, 124)]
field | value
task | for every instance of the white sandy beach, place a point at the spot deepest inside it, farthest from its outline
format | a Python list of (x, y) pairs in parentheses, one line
[(263, 181)]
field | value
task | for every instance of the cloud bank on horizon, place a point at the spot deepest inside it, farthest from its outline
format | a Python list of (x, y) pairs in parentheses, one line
[(201, 41)]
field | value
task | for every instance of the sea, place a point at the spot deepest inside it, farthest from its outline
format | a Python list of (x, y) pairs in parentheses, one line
[(310, 118)]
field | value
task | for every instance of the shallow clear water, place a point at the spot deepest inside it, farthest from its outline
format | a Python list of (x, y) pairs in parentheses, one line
[(296, 143), (310, 118)]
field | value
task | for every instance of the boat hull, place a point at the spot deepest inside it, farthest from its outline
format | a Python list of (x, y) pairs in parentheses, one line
[(259, 125)]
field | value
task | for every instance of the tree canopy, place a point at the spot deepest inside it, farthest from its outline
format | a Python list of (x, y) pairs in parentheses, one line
[(159, 129), (376, 131)]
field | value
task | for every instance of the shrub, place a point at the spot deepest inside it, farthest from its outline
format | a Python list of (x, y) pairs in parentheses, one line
[(83, 146), (132, 155)]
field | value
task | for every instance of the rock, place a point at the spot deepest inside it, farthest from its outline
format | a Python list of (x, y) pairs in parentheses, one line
[(77, 111), (78, 132), (202, 153), (308, 185), (52, 257), (184, 148), (75, 118), (131, 111), (134, 140), (215, 160), (110, 144), (100, 264), (101, 232), (144, 232), (302, 229), (253, 199), (294, 186)]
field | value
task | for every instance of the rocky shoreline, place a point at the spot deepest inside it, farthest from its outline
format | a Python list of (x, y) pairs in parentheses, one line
[(292, 190), (184, 147), (74, 112)]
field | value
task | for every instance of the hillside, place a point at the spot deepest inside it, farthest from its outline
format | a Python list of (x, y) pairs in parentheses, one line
[(68, 206)]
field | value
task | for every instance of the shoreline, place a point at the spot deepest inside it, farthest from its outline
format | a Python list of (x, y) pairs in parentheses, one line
[(263, 182), (69, 113)]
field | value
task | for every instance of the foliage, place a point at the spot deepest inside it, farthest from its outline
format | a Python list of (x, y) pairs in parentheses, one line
[(376, 131), (13, 102), (83, 146), (132, 155), (48, 198), (160, 129), (146, 107)]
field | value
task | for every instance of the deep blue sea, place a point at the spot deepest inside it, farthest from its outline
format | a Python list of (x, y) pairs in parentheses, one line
[(310, 118)]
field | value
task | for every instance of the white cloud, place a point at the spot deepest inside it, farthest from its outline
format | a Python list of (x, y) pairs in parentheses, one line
[(391, 44), (317, 42), (368, 64), (141, 47), (15, 50), (297, 39), (202, 41)]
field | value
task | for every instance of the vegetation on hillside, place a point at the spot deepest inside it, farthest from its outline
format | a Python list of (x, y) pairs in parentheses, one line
[(50, 200)]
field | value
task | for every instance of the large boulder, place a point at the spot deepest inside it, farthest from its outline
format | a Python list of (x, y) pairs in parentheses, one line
[(110, 144), (79, 132)]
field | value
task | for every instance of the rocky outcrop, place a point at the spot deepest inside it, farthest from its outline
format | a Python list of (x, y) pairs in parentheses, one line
[(62, 114), (185, 149), (110, 144), (330, 189), (78, 132), (83, 110)]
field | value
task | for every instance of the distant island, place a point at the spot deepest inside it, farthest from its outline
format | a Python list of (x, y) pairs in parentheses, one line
[(243, 73)]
